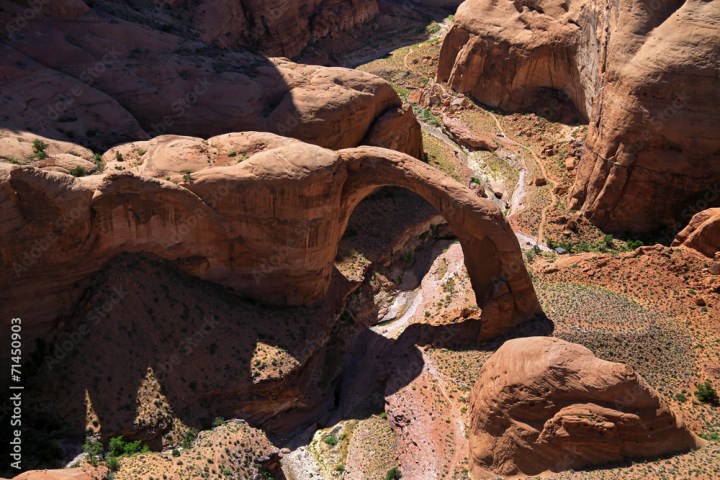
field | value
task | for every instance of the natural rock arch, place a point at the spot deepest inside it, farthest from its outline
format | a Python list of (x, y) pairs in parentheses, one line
[(267, 227), (492, 254)]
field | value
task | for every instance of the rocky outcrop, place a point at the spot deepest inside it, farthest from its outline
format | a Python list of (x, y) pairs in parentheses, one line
[(284, 28), (702, 233), (466, 137), (64, 474), (260, 214), (542, 404), (511, 55), (643, 73), (110, 79)]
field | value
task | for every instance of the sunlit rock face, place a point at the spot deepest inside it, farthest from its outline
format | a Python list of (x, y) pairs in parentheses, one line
[(644, 74)]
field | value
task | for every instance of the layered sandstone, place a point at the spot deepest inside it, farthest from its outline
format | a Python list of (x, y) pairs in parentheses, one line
[(258, 213), (109, 79), (544, 404), (643, 73), (702, 233)]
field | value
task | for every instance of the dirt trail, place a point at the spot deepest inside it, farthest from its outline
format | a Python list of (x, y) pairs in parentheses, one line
[(551, 181)]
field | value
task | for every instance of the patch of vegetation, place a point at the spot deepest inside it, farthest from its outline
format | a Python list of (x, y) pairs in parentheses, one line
[(331, 440), (78, 172), (187, 176), (393, 474), (39, 148), (706, 393), (190, 437)]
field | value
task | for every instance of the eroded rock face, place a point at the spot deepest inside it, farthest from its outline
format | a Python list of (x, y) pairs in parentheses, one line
[(702, 233), (282, 27), (258, 213), (644, 74), (542, 404), (109, 79)]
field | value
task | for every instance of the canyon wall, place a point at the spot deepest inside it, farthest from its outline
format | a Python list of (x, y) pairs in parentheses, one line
[(280, 27), (115, 74), (257, 213), (643, 73)]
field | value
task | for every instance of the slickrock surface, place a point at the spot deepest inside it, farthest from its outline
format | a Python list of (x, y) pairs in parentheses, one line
[(115, 74), (258, 213), (542, 403), (645, 75), (702, 233)]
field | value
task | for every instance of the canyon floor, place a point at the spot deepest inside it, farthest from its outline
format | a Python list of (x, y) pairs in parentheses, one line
[(650, 307), (401, 406)]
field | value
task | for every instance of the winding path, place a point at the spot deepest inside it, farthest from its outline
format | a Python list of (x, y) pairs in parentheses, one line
[(551, 181)]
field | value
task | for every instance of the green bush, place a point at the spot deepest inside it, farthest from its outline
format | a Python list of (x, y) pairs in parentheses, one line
[(113, 464), (176, 452), (393, 474), (218, 421), (39, 149), (189, 438), (680, 397), (78, 172), (706, 393), (331, 440), (94, 450), (118, 447)]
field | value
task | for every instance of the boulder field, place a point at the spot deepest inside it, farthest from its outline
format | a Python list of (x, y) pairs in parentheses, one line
[(643, 73), (543, 404)]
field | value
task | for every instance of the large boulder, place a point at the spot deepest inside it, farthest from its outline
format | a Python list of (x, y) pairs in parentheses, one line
[(541, 403), (702, 233), (643, 73)]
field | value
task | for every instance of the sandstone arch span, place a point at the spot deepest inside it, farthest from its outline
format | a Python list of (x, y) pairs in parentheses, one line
[(267, 224), (492, 254)]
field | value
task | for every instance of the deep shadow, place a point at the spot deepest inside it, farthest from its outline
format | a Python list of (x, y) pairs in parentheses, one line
[(201, 342)]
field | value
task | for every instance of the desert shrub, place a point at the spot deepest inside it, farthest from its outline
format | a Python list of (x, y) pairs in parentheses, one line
[(218, 421), (78, 172), (706, 393), (331, 440), (39, 149), (113, 463), (393, 474), (176, 452), (634, 244), (189, 438), (118, 447), (94, 450), (187, 176)]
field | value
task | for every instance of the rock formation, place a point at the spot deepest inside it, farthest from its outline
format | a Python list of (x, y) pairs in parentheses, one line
[(702, 233), (256, 212), (110, 79), (284, 28), (644, 74), (542, 404)]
